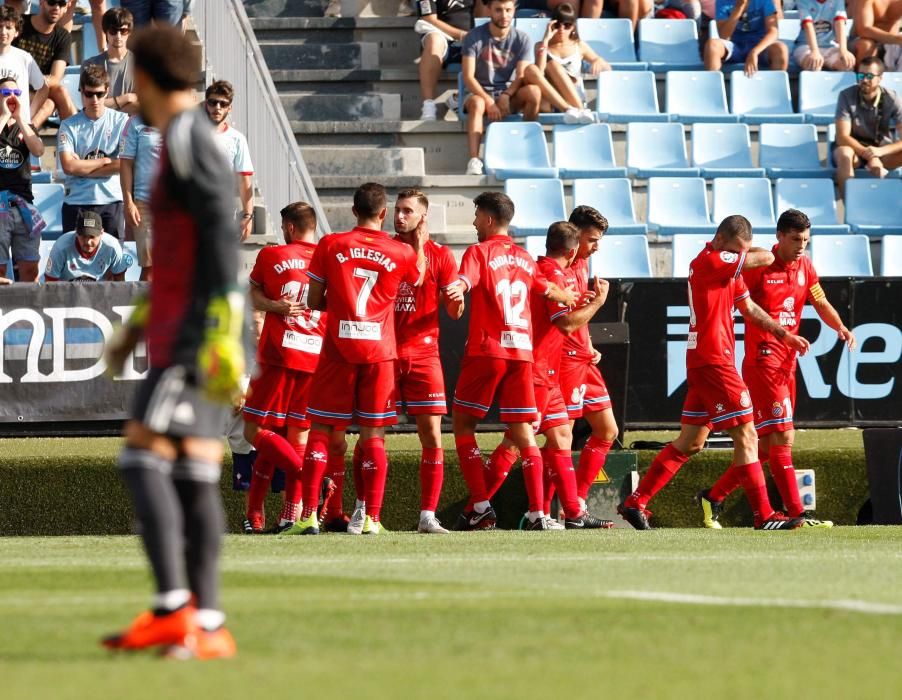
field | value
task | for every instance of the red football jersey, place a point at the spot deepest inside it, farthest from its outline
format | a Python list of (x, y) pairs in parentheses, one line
[(781, 289), (500, 276), (416, 308), (547, 340), (715, 287), (362, 270), (577, 346)]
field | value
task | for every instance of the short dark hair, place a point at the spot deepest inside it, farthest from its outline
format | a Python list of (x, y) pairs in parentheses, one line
[(565, 14), (93, 76), (735, 226), (167, 57), (369, 199), (117, 17), (9, 79), (562, 237), (413, 193), (793, 220), (585, 216), (221, 87), (872, 61), (11, 14), (497, 205), (301, 214)]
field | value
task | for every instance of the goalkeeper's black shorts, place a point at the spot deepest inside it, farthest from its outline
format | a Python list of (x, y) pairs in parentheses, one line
[(169, 402)]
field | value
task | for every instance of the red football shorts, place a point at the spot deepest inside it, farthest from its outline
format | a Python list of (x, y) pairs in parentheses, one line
[(482, 378), (773, 391), (421, 386), (343, 393), (277, 397), (552, 409), (717, 397), (583, 388)]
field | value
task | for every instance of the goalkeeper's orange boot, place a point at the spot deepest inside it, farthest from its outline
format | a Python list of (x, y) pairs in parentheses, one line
[(204, 645), (150, 630)]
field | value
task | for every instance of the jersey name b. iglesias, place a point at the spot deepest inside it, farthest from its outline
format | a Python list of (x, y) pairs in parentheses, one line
[(362, 270), (715, 287), (500, 276), (781, 289), (288, 341)]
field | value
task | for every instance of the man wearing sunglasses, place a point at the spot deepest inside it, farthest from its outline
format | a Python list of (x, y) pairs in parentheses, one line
[(867, 131), (87, 254), (50, 45), (218, 104), (19, 64), (88, 147), (117, 60)]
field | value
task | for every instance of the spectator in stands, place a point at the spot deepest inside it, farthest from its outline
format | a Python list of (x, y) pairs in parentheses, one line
[(19, 64), (117, 61), (633, 10), (559, 61), (98, 7), (157, 11), (87, 254), (495, 57), (748, 34), (219, 98), (20, 223), (138, 158), (88, 147), (822, 43), (50, 46), (877, 23), (443, 24), (867, 119)]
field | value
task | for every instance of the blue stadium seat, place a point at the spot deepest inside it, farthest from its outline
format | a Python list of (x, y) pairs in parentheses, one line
[(749, 196), (678, 205), (479, 21), (585, 151), (626, 96), (874, 207), (534, 27), (841, 256), (613, 197), (537, 204), (71, 80), (612, 39), (89, 45), (48, 199), (723, 150), (818, 93), (535, 245), (891, 256), (654, 150), (788, 29), (697, 96), (668, 44), (621, 257), (892, 81), (790, 150), (516, 149), (814, 197), (764, 97), (686, 247)]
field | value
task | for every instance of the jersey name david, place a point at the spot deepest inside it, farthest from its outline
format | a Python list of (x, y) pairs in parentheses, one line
[(288, 341), (416, 308), (500, 276), (362, 270), (577, 346), (781, 289), (715, 287), (548, 341)]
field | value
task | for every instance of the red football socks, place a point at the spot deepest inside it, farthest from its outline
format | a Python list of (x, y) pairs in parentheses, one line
[(785, 477), (375, 471), (276, 449), (432, 471), (755, 490), (661, 471), (315, 465), (356, 462), (548, 479), (336, 471), (471, 466), (591, 461), (532, 475), (728, 482), (293, 490), (261, 478), (565, 482), (499, 466)]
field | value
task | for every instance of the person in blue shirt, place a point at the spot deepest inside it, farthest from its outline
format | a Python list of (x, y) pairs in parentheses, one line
[(822, 42), (87, 254), (747, 33), (88, 147), (139, 155)]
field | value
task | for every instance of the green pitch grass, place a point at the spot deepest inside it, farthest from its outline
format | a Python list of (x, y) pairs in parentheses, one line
[(620, 614)]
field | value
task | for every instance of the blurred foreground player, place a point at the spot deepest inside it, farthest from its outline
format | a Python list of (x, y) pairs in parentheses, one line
[(192, 321)]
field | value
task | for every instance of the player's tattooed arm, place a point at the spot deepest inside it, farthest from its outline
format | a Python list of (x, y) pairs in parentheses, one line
[(757, 257), (285, 306), (316, 296), (419, 245), (753, 313), (830, 316)]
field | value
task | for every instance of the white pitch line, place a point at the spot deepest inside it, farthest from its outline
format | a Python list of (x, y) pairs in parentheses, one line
[(859, 606)]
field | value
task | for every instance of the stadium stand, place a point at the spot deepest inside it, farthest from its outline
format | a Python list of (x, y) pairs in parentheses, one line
[(723, 150), (533, 26), (612, 39), (614, 197), (657, 150), (748, 196), (763, 97), (666, 44), (678, 205), (686, 247), (584, 151), (842, 256), (538, 203), (626, 96), (818, 92), (621, 257), (48, 198), (874, 207), (814, 197), (891, 256), (517, 149), (790, 150), (697, 96)]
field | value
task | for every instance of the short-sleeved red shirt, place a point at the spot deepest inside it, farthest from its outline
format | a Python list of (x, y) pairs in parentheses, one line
[(500, 276), (288, 341), (781, 289), (362, 270), (416, 308), (577, 345), (547, 339), (715, 287)]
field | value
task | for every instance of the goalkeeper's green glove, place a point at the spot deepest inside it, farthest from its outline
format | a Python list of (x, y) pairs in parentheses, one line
[(220, 358)]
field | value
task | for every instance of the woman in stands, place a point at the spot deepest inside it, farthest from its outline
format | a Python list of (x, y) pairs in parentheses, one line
[(559, 58)]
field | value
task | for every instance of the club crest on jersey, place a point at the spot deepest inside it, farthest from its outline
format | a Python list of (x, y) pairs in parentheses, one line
[(744, 400), (728, 257), (776, 410)]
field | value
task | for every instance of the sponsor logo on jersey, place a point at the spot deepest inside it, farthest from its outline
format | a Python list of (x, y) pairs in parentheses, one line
[(692, 341), (789, 304), (360, 330), (515, 340), (10, 159), (299, 341)]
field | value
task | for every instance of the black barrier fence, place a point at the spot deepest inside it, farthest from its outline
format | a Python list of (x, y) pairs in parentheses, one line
[(51, 343)]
